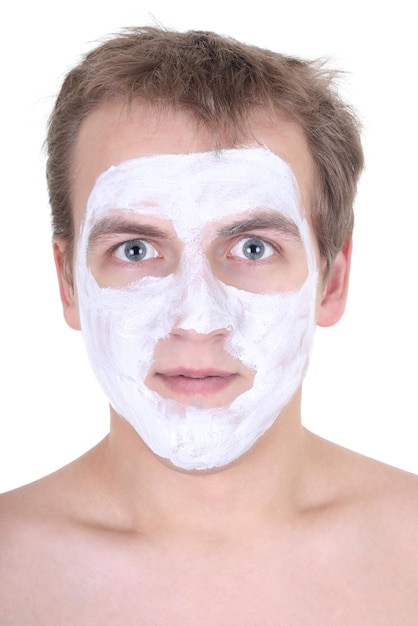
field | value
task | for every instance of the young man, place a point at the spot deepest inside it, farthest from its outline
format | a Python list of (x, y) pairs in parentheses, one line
[(202, 197)]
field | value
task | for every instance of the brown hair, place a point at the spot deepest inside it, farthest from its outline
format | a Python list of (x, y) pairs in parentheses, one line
[(220, 82)]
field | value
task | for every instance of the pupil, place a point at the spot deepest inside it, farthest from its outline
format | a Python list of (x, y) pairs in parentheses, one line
[(254, 249), (135, 251)]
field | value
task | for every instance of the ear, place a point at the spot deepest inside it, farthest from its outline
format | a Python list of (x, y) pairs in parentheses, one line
[(66, 284), (334, 293)]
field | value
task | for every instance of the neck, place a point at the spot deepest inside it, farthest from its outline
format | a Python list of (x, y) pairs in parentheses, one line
[(267, 483)]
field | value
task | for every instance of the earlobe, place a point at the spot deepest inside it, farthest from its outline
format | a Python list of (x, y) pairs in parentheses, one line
[(66, 285), (334, 296)]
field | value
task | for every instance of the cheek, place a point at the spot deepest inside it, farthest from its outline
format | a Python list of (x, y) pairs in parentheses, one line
[(277, 274), (121, 330)]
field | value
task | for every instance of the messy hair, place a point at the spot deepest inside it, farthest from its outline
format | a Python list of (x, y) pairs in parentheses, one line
[(220, 82)]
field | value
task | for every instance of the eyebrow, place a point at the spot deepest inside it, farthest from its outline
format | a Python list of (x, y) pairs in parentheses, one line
[(120, 226), (266, 220)]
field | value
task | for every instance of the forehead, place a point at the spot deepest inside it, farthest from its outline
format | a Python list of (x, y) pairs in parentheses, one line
[(192, 190), (113, 134)]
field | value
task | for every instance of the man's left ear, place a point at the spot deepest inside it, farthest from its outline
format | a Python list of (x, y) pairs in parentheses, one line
[(334, 294)]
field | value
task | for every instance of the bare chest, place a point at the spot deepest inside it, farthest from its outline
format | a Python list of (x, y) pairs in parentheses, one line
[(208, 591)]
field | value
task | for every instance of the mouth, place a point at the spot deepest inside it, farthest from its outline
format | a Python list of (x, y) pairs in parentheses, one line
[(196, 382)]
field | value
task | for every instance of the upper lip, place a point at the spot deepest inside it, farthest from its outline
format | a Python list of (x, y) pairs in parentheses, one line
[(195, 373)]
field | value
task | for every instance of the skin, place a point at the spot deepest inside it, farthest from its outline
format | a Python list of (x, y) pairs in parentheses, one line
[(197, 259), (296, 531)]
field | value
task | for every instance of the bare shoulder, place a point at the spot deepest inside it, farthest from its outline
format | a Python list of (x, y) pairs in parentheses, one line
[(25, 524), (61, 500), (360, 479), (29, 514), (41, 530), (42, 501), (364, 520), (353, 550), (381, 499)]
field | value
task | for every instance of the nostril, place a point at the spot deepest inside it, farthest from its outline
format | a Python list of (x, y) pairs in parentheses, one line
[(201, 305), (193, 335)]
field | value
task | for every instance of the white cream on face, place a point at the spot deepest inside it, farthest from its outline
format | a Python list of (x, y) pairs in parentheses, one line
[(270, 333)]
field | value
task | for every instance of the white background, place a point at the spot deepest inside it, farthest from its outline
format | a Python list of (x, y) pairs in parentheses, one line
[(361, 390)]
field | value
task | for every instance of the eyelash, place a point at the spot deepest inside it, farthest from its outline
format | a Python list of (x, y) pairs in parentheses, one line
[(116, 247), (275, 247)]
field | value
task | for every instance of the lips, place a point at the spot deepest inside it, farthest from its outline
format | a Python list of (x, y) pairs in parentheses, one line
[(196, 382)]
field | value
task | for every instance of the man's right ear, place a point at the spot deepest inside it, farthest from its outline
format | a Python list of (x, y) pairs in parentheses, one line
[(66, 283)]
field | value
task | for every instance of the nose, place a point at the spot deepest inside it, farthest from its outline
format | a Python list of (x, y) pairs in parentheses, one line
[(200, 337), (202, 308)]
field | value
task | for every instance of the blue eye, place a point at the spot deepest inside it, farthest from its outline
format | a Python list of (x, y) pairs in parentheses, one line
[(135, 250), (252, 249)]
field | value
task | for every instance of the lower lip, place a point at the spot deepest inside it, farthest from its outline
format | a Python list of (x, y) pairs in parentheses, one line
[(188, 386)]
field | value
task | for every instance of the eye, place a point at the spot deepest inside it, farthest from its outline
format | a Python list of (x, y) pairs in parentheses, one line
[(135, 250), (253, 249)]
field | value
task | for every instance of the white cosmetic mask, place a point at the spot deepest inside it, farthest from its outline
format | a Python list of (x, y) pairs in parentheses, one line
[(269, 333)]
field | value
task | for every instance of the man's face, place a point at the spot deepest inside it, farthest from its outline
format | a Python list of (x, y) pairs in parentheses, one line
[(196, 278)]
